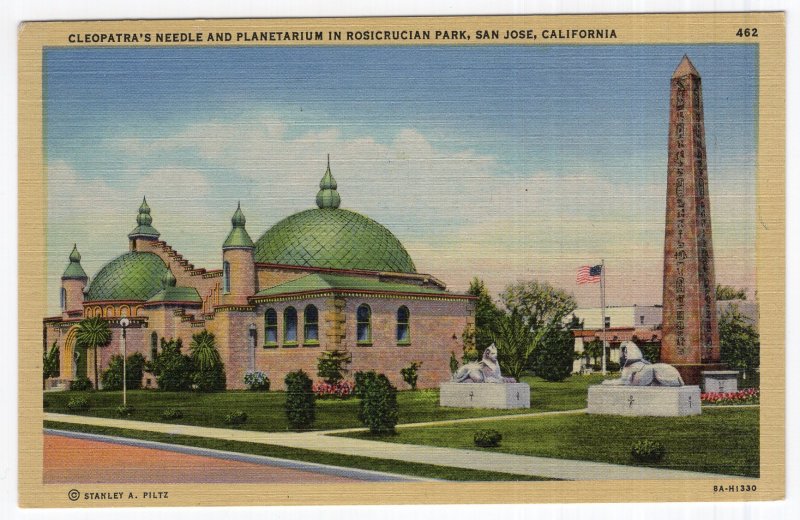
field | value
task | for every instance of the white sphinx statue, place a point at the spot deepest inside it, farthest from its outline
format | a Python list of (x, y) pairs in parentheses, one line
[(487, 370), (637, 371)]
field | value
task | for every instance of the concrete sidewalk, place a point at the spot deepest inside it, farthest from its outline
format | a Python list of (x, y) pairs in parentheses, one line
[(449, 457)]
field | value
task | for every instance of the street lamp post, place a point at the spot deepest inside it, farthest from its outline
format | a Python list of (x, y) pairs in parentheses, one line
[(124, 322)]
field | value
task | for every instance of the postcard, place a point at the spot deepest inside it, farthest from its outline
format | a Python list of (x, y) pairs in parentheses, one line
[(408, 256)]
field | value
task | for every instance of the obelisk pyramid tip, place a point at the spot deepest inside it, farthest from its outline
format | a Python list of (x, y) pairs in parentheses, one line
[(685, 68)]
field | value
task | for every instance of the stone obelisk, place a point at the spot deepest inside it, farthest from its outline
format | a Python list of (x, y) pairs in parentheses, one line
[(690, 337)]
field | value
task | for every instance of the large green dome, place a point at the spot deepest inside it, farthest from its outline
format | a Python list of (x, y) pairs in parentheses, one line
[(131, 276), (333, 238)]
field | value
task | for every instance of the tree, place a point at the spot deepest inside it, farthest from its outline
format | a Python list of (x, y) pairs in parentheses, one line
[(93, 333), (331, 365), (593, 350), (738, 340), (552, 359), (50, 362), (209, 370), (515, 342), (486, 316), (171, 368), (726, 292), (536, 316)]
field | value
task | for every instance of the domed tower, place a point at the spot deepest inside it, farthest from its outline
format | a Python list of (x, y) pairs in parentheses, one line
[(238, 265), (144, 231), (73, 282)]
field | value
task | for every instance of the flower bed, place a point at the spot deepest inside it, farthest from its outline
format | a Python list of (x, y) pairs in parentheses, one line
[(746, 396), (340, 390)]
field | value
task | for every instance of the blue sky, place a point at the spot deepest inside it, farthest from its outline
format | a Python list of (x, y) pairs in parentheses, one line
[(494, 161)]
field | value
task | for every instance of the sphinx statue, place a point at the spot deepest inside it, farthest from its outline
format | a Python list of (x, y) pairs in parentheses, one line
[(487, 370), (637, 371)]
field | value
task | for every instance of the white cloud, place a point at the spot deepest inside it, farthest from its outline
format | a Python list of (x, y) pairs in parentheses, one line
[(459, 212)]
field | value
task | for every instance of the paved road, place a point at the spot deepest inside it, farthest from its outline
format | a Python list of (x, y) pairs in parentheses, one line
[(71, 457), (458, 458)]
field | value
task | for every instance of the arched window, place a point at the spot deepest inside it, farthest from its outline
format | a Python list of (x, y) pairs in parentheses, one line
[(153, 345), (364, 324), (63, 299), (403, 329), (289, 326), (270, 328), (226, 277), (311, 325)]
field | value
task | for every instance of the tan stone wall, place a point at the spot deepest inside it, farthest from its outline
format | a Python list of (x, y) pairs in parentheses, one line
[(74, 299), (436, 328)]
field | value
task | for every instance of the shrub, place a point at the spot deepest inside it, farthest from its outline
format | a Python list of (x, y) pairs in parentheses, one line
[(361, 379), (340, 390), (552, 359), (125, 411), (487, 438), (82, 384), (171, 413), (257, 381), (78, 404), (111, 378), (331, 365), (378, 408), (648, 451), (211, 380), (410, 374), (171, 368), (236, 418), (300, 401)]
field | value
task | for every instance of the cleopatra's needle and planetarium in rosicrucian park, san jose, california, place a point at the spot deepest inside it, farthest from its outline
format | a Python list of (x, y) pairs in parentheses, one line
[(322, 279)]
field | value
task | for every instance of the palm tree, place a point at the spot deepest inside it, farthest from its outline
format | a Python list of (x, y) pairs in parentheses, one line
[(92, 333), (204, 351)]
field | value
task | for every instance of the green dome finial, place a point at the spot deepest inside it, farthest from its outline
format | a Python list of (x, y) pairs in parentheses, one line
[(144, 218), (238, 219), (144, 221), (74, 271), (238, 237), (168, 279), (75, 256), (328, 197)]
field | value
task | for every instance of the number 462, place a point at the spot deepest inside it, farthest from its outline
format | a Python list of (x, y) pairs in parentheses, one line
[(747, 33)]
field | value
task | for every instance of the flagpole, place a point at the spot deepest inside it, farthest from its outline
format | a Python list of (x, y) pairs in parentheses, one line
[(603, 307)]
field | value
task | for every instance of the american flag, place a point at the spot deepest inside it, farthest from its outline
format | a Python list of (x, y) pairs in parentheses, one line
[(589, 274)]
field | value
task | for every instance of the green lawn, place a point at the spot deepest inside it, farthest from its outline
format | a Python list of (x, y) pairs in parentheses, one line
[(721, 440), (266, 413), (389, 466)]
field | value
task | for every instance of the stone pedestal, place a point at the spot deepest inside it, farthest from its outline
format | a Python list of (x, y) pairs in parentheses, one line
[(485, 395), (692, 374), (658, 401), (721, 381)]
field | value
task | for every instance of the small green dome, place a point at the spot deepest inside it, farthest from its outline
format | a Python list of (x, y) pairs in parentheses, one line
[(74, 271), (144, 221), (238, 238), (333, 238), (131, 276)]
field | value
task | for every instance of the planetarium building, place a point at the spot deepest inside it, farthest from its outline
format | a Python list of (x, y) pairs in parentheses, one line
[(322, 279)]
